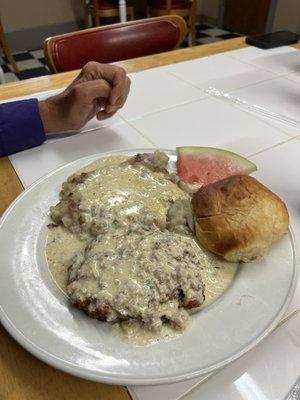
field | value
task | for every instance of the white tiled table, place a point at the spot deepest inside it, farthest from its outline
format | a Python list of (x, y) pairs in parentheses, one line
[(168, 106)]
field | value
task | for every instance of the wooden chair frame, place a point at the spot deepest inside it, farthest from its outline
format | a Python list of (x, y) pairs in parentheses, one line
[(50, 41), (184, 12), (4, 47), (97, 13)]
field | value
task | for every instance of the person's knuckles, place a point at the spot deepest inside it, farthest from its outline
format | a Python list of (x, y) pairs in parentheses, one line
[(120, 76), (91, 66), (78, 93)]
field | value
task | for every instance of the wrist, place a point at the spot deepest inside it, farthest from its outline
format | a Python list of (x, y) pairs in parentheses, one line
[(51, 116)]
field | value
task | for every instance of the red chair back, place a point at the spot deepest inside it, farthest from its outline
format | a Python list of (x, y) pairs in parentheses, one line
[(116, 42)]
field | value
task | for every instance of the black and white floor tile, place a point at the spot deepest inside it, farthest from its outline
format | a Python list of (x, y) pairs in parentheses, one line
[(32, 63), (209, 34)]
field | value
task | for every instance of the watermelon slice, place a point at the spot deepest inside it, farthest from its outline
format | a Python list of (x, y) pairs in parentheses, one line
[(204, 165)]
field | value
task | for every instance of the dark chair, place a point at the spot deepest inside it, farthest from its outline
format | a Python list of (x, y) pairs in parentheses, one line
[(4, 48), (98, 9), (116, 42), (184, 8)]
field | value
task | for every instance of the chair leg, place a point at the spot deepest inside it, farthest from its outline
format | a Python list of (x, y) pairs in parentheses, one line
[(85, 13), (131, 14), (6, 51), (10, 58), (2, 79), (97, 19), (192, 29)]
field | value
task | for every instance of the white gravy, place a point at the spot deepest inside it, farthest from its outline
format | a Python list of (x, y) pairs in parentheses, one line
[(62, 246)]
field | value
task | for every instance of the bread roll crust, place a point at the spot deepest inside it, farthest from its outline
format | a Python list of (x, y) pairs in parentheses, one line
[(239, 218)]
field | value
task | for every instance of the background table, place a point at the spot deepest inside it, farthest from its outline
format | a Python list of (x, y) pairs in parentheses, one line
[(21, 375)]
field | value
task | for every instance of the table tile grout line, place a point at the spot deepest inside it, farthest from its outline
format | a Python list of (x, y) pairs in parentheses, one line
[(270, 147), (256, 84), (280, 323), (163, 109), (254, 65), (205, 98), (138, 131), (240, 87), (205, 379), (255, 115), (289, 138)]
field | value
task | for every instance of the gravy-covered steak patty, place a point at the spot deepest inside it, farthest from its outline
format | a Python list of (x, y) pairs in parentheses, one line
[(139, 191), (150, 277), (140, 261)]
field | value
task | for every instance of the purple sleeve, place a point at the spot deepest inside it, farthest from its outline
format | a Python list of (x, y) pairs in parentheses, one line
[(20, 126)]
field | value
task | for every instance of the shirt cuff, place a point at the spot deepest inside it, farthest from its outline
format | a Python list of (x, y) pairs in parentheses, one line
[(21, 126)]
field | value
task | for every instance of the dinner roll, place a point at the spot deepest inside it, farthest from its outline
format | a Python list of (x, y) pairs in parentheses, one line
[(238, 218)]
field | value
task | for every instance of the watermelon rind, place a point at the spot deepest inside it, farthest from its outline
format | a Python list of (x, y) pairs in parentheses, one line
[(245, 164)]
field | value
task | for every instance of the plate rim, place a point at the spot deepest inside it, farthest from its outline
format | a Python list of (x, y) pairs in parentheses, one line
[(81, 372)]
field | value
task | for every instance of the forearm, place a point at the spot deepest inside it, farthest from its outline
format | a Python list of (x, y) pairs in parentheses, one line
[(21, 126)]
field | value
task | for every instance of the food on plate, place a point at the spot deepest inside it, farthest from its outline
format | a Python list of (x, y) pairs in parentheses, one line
[(204, 165), (239, 218), (122, 246), (149, 275), (132, 195)]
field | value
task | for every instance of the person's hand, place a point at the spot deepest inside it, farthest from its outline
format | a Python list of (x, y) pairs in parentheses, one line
[(99, 90)]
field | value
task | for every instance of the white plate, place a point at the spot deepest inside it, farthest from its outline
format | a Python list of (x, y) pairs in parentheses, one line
[(41, 319)]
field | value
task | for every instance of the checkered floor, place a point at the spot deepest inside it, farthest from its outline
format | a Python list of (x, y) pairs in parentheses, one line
[(32, 63), (208, 34)]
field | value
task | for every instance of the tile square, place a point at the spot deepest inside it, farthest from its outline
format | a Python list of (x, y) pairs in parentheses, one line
[(266, 372), (171, 391), (216, 31), (27, 64), (10, 77), (281, 60), (218, 71), (229, 36), (33, 163), (154, 90), (294, 77), (22, 56), (5, 68), (278, 95), (37, 53), (184, 44), (202, 27), (33, 73), (200, 35), (43, 60), (209, 39), (209, 122)]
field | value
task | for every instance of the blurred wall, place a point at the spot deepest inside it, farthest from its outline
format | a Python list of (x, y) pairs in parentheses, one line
[(28, 22), (287, 15), (208, 9), (22, 14)]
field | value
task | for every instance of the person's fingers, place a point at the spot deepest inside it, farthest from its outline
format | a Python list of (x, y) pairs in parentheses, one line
[(115, 75), (121, 99), (94, 70), (104, 115), (102, 103), (119, 85), (87, 92)]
